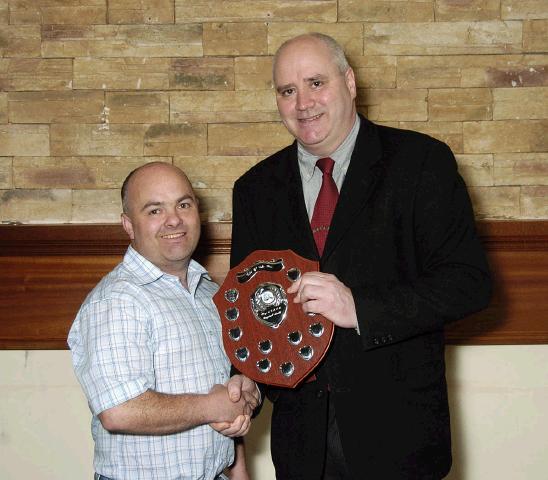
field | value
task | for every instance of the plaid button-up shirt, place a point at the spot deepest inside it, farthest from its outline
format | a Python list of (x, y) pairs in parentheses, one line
[(140, 329)]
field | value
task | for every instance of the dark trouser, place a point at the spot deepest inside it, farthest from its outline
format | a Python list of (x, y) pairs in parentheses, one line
[(335, 464)]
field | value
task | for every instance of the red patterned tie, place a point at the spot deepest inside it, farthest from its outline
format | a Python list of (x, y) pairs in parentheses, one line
[(325, 203)]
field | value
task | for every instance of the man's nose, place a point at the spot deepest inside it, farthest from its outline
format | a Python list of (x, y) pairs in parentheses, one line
[(173, 218), (304, 100)]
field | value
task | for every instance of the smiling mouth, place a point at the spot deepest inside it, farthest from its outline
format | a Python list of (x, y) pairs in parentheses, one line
[(171, 236), (310, 119)]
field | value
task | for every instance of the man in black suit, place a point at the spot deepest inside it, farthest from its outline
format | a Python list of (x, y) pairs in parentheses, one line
[(401, 259)]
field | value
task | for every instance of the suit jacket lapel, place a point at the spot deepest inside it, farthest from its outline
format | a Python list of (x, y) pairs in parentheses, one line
[(361, 177)]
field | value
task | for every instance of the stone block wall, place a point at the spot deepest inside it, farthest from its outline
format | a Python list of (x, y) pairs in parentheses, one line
[(90, 89)]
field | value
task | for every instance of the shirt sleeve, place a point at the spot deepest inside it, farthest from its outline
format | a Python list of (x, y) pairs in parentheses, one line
[(112, 351)]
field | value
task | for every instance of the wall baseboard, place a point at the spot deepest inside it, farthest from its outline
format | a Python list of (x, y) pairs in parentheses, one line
[(47, 270)]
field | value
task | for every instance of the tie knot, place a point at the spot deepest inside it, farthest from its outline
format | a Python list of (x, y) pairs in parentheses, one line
[(326, 165)]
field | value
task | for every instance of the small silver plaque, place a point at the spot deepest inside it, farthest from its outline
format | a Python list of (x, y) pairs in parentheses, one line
[(235, 333), (316, 329), (232, 314), (287, 369), (294, 338), (265, 346), (306, 352), (293, 274), (242, 354), (264, 365), (232, 295)]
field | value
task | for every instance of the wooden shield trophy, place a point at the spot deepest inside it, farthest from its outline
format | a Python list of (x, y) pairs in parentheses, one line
[(266, 336)]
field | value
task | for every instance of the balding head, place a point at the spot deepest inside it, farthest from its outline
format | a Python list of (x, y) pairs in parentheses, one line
[(161, 216)]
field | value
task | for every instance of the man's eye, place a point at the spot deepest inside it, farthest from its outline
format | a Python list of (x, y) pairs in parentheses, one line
[(156, 211), (184, 205), (287, 92), (317, 83)]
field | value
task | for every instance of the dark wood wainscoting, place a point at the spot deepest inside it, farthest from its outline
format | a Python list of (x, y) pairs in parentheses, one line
[(47, 270)]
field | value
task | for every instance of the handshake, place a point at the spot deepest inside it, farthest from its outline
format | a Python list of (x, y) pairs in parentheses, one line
[(232, 405)]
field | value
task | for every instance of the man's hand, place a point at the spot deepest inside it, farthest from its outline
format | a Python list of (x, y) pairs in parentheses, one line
[(240, 385), (238, 428), (323, 293), (240, 390)]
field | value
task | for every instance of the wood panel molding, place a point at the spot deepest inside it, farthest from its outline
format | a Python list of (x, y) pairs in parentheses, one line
[(47, 270)]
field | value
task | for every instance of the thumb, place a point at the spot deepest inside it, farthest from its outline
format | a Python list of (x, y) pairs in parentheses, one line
[(235, 388)]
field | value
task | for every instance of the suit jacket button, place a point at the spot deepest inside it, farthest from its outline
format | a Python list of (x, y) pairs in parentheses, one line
[(319, 394)]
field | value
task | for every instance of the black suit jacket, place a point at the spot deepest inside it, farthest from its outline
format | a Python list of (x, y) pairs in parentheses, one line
[(403, 239)]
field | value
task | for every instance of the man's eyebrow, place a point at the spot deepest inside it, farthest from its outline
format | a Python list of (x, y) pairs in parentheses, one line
[(281, 88), (153, 203), (313, 78)]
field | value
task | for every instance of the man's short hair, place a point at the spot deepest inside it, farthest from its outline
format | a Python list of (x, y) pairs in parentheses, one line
[(336, 50), (123, 190)]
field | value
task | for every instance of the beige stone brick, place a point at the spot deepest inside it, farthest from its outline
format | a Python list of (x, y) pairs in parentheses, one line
[(520, 103), (102, 139), (495, 202), (56, 107), (96, 206), (4, 12), (31, 140), (232, 39), (448, 132), (459, 104), (374, 72), (442, 38), (36, 206), (535, 38), (523, 9), (215, 107), (185, 139), (75, 172), (477, 170), (349, 35), (19, 41), (201, 74), (6, 173), (505, 136), (49, 12), (144, 11), (121, 73), (215, 172), (138, 107), (521, 169), (472, 71), (247, 138), (253, 73), (385, 11), (35, 74), (122, 40), (215, 204), (466, 10), (394, 105), (3, 107), (255, 10), (534, 202)]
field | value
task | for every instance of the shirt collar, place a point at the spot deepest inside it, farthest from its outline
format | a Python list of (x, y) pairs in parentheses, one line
[(146, 272), (307, 161)]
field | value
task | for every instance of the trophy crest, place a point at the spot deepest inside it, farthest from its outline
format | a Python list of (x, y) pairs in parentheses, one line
[(266, 336)]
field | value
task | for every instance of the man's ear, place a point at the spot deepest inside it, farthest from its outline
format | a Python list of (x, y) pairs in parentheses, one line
[(128, 227), (350, 80)]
